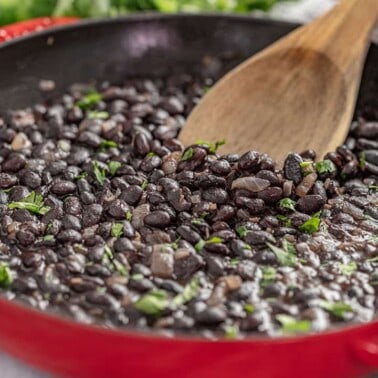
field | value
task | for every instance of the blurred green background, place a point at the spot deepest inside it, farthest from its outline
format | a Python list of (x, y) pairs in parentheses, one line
[(17, 10)]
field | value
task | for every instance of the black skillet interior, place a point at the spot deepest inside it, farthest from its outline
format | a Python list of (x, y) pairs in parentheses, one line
[(143, 45)]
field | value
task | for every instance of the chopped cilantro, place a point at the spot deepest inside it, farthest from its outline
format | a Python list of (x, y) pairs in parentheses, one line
[(108, 259), (129, 215), (94, 114), (99, 173), (49, 238), (153, 303), (189, 292), (337, 309), (248, 308), (137, 276), (32, 202), (117, 230), (113, 167), (81, 176), (234, 261), (6, 278), (150, 154), (325, 166), (104, 145), (242, 231), (212, 147), (90, 100), (197, 221), (199, 246), (306, 167), (144, 185), (286, 255), (362, 160), (373, 188), (287, 203), (269, 276), (348, 269), (188, 154), (311, 225), (285, 220), (214, 240), (290, 325), (231, 332)]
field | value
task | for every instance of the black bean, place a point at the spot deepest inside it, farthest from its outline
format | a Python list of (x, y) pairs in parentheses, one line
[(7, 180), (62, 188), (216, 195), (211, 315), (310, 203), (159, 219), (132, 194), (292, 168), (249, 161)]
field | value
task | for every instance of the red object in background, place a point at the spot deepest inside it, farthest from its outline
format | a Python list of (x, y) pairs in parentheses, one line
[(75, 350), (37, 24)]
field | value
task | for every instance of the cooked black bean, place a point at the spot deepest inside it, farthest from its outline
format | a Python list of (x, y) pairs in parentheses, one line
[(160, 219)]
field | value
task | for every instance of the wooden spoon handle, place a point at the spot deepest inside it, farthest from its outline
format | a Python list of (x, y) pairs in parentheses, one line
[(342, 35)]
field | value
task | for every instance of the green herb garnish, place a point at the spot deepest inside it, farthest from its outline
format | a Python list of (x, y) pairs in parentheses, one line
[(248, 308), (231, 332), (286, 255), (49, 238), (287, 203), (325, 166), (306, 167), (285, 220), (137, 276), (90, 100), (311, 225), (199, 246), (6, 278), (105, 144), (242, 231), (337, 309), (348, 269), (99, 173), (129, 215), (117, 230), (113, 167), (214, 240), (108, 259), (94, 114), (81, 176), (269, 276), (144, 185), (235, 261), (33, 203), (362, 163), (188, 154), (189, 292), (290, 325), (373, 188), (150, 154), (153, 303), (212, 147)]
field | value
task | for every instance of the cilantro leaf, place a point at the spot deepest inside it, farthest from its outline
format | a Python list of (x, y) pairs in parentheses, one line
[(291, 325), (108, 259), (32, 202), (231, 332), (325, 166), (189, 292), (6, 278), (153, 303), (269, 276), (214, 240), (348, 269), (90, 100), (49, 238), (129, 215), (287, 203), (105, 144), (337, 309), (248, 308), (113, 167), (99, 173), (212, 147), (285, 220), (362, 162), (311, 225), (188, 154), (200, 245), (286, 255), (242, 231), (98, 115), (117, 230)]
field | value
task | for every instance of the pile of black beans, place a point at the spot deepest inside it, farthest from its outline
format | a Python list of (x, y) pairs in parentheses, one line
[(108, 219)]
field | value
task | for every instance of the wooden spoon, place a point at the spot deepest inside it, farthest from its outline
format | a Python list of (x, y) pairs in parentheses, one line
[(297, 94)]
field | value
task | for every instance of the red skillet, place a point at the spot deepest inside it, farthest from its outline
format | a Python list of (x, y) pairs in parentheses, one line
[(155, 45)]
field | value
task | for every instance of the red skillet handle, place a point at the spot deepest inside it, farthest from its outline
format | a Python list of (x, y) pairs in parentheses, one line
[(29, 26)]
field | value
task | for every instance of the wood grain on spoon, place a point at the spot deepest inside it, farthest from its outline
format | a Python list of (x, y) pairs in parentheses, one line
[(299, 93)]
